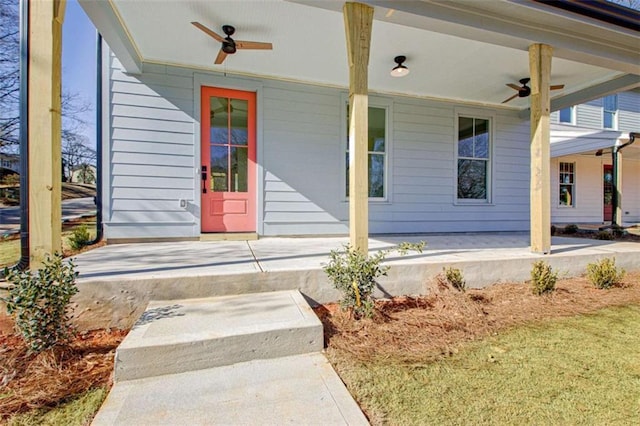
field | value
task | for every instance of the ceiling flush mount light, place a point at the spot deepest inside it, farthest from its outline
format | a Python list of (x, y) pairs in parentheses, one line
[(399, 70)]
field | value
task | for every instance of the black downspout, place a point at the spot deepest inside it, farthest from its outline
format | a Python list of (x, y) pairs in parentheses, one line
[(24, 136), (99, 226), (614, 165)]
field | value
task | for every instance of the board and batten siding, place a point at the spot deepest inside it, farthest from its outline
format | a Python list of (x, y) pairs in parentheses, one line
[(154, 156)]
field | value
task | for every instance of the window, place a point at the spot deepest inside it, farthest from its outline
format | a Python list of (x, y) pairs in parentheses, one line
[(566, 115), (610, 112), (567, 184), (377, 152), (474, 166)]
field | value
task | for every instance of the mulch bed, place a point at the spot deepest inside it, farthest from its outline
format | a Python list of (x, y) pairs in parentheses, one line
[(411, 329), (29, 381)]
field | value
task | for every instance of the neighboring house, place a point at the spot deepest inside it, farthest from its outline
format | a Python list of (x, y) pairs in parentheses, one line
[(259, 145), (582, 170), (9, 163), (85, 173)]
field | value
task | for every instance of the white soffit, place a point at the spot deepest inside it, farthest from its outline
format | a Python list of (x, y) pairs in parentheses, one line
[(309, 46)]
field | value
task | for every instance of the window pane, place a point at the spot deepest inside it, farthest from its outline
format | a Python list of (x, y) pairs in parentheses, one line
[(472, 179), (239, 120), (607, 120), (566, 115), (465, 137), (347, 177), (376, 175), (377, 131), (566, 195), (481, 139), (219, 168), (219, 120), (610, 103), (239, 169)]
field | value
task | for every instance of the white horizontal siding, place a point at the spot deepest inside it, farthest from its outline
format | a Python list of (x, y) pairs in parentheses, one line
[(152, 155), (154, 149), (630, 191), (589, 114), (629, 111), (588, 191)]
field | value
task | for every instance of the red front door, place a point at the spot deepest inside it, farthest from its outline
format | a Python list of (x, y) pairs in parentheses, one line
[(228, 160), (607, 187)]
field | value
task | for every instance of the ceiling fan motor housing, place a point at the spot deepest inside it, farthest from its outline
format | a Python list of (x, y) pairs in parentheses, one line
[(229, 46)]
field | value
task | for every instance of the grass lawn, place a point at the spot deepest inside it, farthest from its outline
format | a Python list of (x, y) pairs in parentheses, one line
[(10, 247), (579, 370), (76, 412)]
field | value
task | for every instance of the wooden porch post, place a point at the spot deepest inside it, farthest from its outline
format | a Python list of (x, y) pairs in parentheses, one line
[(540, 70), (44, 133), (358, 20)]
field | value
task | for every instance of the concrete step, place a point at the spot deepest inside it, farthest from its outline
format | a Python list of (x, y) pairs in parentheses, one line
[(194, 334), (300, 389)]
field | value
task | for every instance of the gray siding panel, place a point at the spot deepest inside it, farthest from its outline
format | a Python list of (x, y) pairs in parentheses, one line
[(629, 112), (589, 114), (154, 149)]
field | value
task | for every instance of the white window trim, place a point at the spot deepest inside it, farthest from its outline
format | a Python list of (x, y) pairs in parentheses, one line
[(615, 113), (376, 102), (575, 185), (486, 115)]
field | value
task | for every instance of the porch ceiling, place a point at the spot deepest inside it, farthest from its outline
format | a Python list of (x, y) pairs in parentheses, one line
[(447, 59)]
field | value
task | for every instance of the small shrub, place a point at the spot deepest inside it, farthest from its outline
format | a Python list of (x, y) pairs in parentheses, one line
[(39, 302), (543, 278), (354, 274), (617, 231), (604, 235), (452, 277), (80, 237), (571, 229), (604, 274)]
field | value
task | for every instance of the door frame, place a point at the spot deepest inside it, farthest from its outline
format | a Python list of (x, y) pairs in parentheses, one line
[(232, 83), (604, 169)]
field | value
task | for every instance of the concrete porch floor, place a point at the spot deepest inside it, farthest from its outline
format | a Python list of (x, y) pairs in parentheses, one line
[(117, 281)]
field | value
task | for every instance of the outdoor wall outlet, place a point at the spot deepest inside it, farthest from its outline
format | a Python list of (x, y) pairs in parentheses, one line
[(183, 204)]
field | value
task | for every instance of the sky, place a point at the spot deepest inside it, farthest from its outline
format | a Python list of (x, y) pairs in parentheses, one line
[(79, 61)]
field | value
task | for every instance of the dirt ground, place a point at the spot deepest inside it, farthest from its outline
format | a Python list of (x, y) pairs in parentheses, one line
[(405, 328)]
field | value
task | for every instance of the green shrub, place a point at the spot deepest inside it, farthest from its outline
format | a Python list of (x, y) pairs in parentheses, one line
[(354, 274), (543, 278), (452, 277), (617, 231), (39, 302), (571, 229), (604, 235), (80, 237), (604, 274)]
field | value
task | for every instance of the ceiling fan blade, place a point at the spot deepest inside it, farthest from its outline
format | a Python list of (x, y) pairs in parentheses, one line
[(221, 57), (507, 100), (253, 45), (213, 34), (514, 87), (556, 87)]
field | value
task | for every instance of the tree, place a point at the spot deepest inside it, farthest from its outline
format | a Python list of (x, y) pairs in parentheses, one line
[(9, 72), (73, 106), (75, 153)]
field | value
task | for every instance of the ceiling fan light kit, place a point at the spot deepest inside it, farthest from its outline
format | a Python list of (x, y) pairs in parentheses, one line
[(399, 70)]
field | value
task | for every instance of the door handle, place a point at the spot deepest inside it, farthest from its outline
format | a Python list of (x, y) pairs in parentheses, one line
[(204, 179)]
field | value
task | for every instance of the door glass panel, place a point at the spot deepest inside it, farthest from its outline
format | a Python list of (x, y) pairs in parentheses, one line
[(239, 169), (239, 120), (219, 116), (219, 168)]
